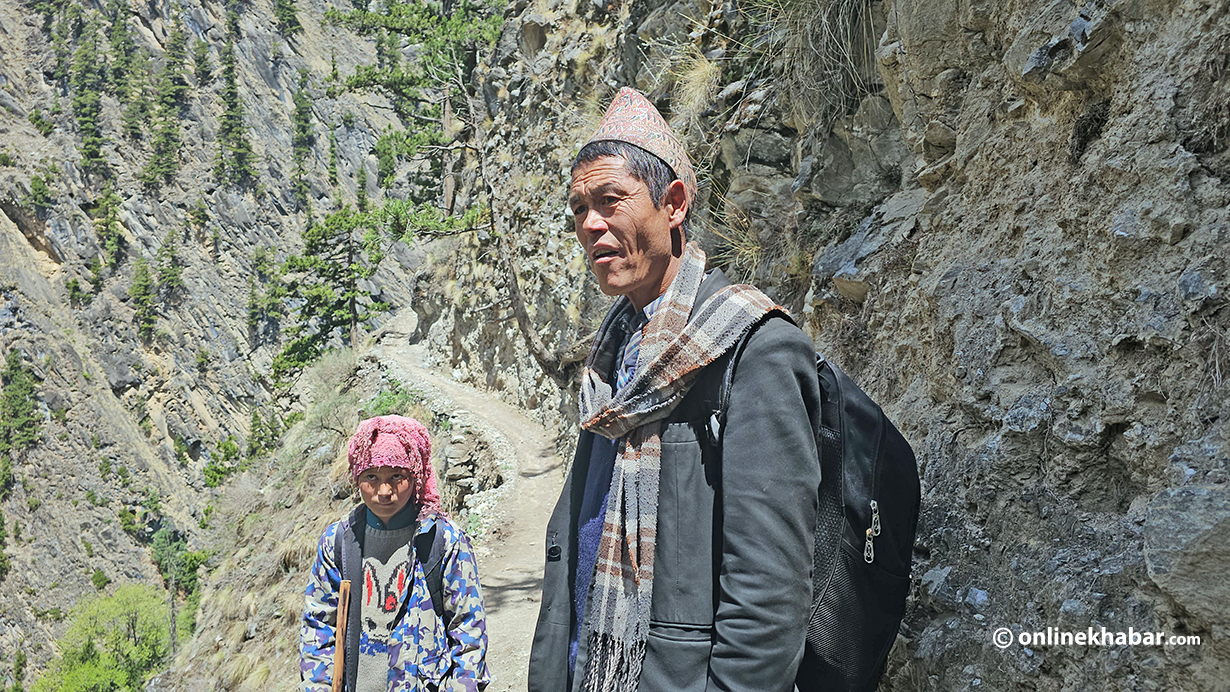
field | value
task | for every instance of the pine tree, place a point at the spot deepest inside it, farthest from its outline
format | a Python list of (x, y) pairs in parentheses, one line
[(142, 294), (339, 252), (21, 425), (200, 62), (235, 157), (301, 143), (107, 226), (288, 18), (170, 270), (88, 81), (123, 52), (172, 92)]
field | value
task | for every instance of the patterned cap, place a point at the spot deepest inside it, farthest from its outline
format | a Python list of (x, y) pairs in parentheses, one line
[(631, 118), (400, 442)]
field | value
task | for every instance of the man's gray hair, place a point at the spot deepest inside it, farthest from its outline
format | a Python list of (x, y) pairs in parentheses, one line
[(642, 165)]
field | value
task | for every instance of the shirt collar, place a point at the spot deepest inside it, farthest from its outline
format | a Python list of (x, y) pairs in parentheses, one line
[(401, 520)]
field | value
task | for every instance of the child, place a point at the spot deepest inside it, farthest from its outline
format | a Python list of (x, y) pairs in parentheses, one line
[(415, 619)]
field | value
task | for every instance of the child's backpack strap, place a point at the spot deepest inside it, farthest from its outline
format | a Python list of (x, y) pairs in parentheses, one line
[(348, 556), (429, 550)]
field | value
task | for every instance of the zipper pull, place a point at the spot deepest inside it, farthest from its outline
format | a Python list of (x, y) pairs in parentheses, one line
[(869, 550)]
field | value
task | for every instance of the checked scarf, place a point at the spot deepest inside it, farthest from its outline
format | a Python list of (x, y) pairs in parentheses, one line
[(673, 352)]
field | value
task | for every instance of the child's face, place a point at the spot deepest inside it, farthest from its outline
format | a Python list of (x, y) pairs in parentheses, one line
[(385, 490)]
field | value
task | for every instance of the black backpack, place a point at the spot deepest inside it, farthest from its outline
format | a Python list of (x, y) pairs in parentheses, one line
[(868, 515)]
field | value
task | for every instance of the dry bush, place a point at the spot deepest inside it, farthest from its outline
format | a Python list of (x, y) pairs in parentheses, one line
[(236, 634), (257, 680), (821, 53), (738, 250), (297, 552), (238, 669), (697, 79)]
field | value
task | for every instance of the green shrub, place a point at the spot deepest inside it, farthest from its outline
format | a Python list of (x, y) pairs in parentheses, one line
[(44, 126), (100, 579), (205, 514), (96, 500), (21, 425), (6, 159), (152, 502), (185, 620), (178, 565), (288, 18), (76, 296), (395, 401), (128, 521), (113, 643), (215, 474), (181, 450), (41, 196), (6, 479), (89, 547), (54, 614)]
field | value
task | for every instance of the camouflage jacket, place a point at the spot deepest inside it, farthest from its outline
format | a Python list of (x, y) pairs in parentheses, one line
[(425, 654)]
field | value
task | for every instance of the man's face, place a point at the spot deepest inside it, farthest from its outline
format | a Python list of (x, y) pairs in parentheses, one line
[(385, 490), (627, 241)]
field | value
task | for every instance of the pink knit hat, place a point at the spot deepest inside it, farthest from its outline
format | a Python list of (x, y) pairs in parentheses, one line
[(631, 118), (401, 442)]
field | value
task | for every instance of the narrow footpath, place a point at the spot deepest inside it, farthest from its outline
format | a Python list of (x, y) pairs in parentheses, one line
[(511, 554)]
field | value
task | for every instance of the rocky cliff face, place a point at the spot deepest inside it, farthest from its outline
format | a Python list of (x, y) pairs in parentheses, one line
[(132, 421), (1007, 222)]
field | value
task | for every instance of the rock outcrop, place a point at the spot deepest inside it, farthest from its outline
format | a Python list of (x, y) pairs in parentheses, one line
[(1011, 230)]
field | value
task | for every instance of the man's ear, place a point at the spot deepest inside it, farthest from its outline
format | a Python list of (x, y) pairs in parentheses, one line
[(676, 202)]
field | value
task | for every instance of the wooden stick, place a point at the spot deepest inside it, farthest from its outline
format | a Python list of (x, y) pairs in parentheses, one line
[(339, 642)]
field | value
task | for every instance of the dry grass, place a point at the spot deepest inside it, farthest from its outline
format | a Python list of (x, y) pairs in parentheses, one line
[(697, 79), (297, 552), (257, 680), (821, 53), (238, 669), (739, 252)]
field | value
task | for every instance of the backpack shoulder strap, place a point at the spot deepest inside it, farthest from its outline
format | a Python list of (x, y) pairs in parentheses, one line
[(429, 551), (348, 562), (717, 421)]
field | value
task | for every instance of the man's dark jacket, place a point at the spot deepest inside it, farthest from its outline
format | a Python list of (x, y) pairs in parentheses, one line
[(732, 569)]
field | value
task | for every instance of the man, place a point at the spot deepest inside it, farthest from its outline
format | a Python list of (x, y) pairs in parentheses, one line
[(679, 555)]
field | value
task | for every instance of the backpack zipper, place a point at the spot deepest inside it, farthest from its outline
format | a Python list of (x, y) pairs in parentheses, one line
[(869, 550)]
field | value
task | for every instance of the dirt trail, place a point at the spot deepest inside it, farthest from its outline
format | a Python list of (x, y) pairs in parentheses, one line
[(511, 555)]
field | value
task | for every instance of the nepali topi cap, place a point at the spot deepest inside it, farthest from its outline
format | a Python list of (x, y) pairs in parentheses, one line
[(632, 119)]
